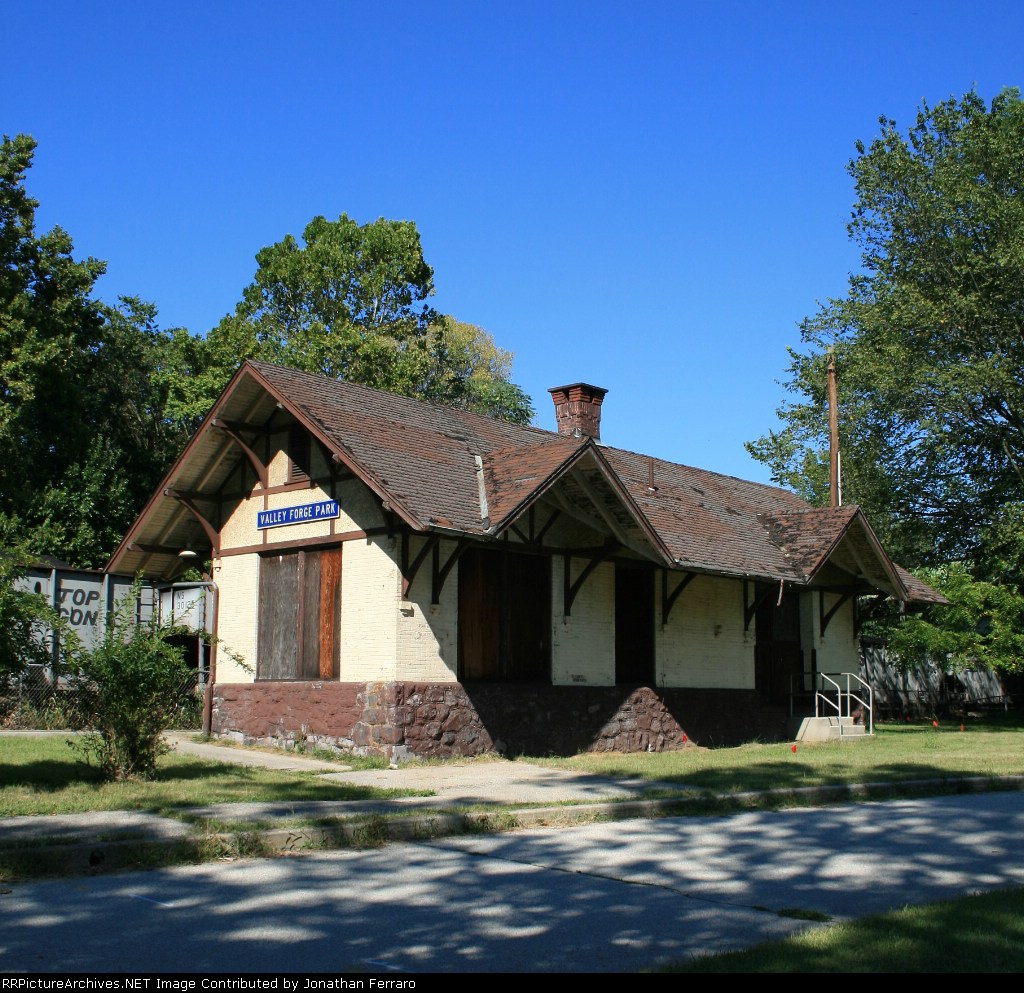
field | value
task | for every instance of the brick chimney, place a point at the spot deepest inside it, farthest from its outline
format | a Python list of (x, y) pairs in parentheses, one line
[(578, 410)]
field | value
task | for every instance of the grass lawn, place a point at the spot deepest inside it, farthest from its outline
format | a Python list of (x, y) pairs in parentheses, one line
[(979, 933), (989, 745), (45, 775)]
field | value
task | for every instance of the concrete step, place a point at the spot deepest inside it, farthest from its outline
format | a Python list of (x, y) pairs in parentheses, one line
[(828, 729)]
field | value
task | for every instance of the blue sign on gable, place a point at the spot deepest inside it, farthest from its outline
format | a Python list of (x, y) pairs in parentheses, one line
[(322, 511)]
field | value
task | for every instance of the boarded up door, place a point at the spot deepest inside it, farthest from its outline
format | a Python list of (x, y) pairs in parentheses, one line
[(300, 615), (778, 656), (504, 615), (634, 625)]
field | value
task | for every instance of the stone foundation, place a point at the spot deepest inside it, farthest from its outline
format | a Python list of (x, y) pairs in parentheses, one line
[(426, 720)]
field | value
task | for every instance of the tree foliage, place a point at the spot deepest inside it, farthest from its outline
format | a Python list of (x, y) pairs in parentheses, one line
[(472, 373), (82, 421), (981, 626), (350, 303), (96, 400), (929, 338)]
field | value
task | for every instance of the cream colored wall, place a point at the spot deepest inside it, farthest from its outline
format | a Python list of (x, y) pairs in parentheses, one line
[(360, 509), (370, 596), (237, 579), (277, 468), (838, 650), (704, 644), (583, 644), (370, 580), (240, 528), (428, 633)]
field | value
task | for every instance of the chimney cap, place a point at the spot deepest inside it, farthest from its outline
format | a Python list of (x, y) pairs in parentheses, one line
[(595, 392)]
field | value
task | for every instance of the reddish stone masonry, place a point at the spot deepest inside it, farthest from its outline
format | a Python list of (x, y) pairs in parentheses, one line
[(441, 720)]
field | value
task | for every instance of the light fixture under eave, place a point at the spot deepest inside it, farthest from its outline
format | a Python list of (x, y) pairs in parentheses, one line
[(188, 553)]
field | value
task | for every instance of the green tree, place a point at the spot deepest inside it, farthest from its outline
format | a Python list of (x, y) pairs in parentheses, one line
[(929, 338), (349, 303), (26, 618), (981, 626), (471, 372), (83, 424)]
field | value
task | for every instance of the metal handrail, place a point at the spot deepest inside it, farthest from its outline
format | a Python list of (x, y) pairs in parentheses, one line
[(820, 696)]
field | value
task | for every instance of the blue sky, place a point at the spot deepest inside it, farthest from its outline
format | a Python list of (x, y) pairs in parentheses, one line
[(648, 197)]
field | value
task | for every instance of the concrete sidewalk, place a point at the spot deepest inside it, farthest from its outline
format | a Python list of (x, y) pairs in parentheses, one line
[(450, 798), (484, 780), (455, 797)]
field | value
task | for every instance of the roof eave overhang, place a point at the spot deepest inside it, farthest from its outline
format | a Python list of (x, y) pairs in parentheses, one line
[(888, 567), (343, 456), (588, 447), (161, 493)]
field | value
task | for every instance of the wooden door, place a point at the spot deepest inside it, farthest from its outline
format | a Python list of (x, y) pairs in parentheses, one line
[(300, 615), (778, 656)]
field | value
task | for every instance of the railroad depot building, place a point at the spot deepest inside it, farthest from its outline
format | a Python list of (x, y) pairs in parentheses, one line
[(392, 576)]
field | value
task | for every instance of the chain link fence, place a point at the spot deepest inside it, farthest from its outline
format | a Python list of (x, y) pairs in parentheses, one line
[(34, 700)]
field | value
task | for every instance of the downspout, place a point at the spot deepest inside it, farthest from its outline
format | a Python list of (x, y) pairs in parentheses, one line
[(833, 431), (481, 486)]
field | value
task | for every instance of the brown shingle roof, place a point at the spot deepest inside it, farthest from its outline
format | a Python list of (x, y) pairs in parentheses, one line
[(420, 455), (427, 463), (808, 535), (514, 475)]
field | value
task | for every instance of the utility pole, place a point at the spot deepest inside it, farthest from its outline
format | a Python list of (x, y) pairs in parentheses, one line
[(833, 430)]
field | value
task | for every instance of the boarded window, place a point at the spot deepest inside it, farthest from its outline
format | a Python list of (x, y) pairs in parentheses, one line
[(300, 615), (504, 616)]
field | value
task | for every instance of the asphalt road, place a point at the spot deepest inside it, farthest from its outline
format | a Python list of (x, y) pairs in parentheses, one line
[(612, 897)]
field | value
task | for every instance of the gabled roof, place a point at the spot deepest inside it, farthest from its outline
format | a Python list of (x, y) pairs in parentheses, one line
[(440, 469), (838, 539)]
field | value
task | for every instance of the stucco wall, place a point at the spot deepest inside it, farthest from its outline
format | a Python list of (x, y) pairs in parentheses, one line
[(237, 579), (704, 644), (370, 598), (583, 644), (427, 632), (360, 509), (838, 649), (240, 530)]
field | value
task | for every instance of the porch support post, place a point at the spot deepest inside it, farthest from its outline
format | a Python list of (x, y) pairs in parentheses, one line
[(441, 572), (572, 589), (254, 460), (207, 527), (750, 608)]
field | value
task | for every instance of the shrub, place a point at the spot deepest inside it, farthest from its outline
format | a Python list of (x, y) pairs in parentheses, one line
[(129, 692)]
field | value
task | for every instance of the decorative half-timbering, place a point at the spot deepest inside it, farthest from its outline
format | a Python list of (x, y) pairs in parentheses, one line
[(399, 577)]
